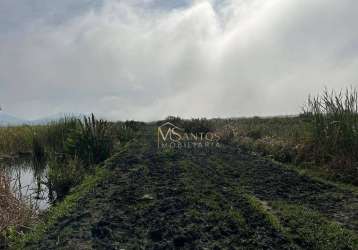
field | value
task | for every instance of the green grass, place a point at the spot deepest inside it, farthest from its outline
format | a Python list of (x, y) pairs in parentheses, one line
[(311, 230), (263, 209), (303, 226)]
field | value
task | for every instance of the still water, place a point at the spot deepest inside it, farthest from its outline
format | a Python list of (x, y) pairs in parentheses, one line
[(28, 181)]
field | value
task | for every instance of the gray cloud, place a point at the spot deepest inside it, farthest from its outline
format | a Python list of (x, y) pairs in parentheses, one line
[(145, 60)]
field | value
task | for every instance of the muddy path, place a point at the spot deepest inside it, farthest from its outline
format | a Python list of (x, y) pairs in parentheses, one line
[(158, 199)]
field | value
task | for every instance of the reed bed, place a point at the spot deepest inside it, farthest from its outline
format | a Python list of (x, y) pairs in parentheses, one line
[(15, 139), (334, 127), (334, 131)]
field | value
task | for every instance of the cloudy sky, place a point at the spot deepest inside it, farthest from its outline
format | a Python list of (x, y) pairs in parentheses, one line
[(146, 59)]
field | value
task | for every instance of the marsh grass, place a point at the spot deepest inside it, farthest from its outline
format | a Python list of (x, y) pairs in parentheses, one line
[(334, 127), (290, 128), (88, 138), (74, 147), (70, 148), (25, 139), (324, 137), (62, 176), (334, 131), (91, 141), (57, 132), (15, 140), (281, 138)]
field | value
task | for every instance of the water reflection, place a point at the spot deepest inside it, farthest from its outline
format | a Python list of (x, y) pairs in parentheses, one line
[(28, 181)]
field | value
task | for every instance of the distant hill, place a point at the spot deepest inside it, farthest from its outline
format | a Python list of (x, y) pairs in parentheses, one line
[(53, 118), (7, 120)]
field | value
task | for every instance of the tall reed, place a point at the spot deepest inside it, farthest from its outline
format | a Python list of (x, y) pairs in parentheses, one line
[(334, 126), (91, 142), (57, 133)]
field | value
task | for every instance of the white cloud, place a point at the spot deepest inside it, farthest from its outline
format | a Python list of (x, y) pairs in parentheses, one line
[(210, 58)]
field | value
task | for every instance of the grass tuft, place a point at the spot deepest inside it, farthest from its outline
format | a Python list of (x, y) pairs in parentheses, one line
[(311, 230)]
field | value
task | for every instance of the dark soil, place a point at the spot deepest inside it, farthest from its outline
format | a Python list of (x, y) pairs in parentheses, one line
[(191, 200)]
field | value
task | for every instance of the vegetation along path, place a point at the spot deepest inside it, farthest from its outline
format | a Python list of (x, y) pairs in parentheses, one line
[(215, 199)]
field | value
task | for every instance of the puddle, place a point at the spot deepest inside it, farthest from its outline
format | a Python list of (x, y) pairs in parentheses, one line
[(27, 181)]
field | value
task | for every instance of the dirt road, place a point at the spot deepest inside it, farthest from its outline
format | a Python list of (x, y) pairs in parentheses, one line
[(219, 199)]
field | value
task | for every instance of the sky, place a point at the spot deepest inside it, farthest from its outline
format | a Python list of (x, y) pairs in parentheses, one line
[(147, 59)]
